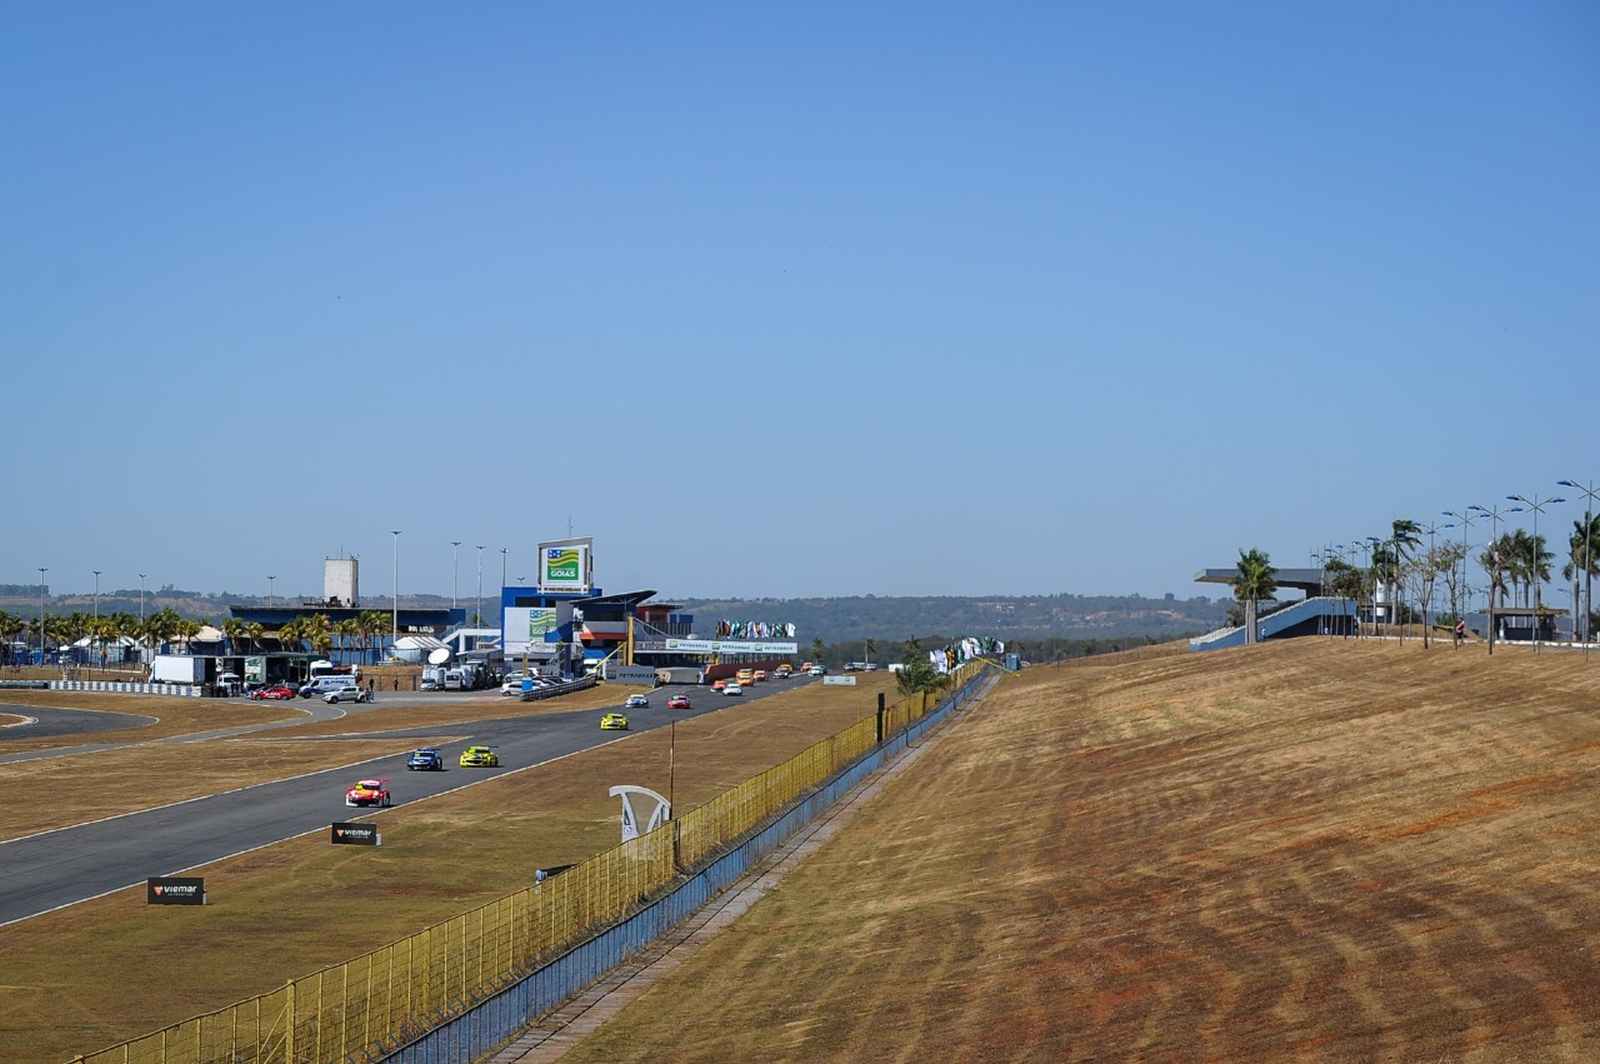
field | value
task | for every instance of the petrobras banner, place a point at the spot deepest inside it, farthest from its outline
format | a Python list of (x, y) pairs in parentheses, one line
[(755, 630), (527, 625), (730, 646), (566, 565)]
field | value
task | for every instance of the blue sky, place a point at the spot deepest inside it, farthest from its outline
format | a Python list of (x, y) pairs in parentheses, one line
[(824, 300)]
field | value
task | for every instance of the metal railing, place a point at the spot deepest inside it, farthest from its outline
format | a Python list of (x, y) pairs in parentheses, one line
[(359, 1011)]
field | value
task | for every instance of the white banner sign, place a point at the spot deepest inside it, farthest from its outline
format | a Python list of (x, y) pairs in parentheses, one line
[(526, 625), (839, 681), (730, 646)]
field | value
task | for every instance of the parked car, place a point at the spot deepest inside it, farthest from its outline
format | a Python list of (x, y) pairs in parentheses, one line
[(479, 757), (512, 684), (733, 689), (425, 760), (613, 722), (678, 702), (368, 792), (636, 702), (323, 684), (278, 692), (346, 694)]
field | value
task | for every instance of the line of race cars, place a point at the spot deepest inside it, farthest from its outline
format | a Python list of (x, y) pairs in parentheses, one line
[(375, 792)]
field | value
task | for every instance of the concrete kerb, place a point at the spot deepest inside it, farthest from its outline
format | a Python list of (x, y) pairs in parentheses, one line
[(494, 1021)]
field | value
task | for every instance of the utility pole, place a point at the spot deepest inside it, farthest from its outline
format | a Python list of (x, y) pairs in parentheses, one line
[(395, 638), (1495, 516), (479, 622), (42, 590), (1537, 505), (141, 598), (1588, 558), (270, 579), (96, 573), (455, 570), (503, 551)]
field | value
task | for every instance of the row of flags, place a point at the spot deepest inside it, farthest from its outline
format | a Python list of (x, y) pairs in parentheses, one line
[(949, 658), (755, 630)]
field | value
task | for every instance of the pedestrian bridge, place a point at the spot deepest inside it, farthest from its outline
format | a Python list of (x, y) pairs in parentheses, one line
[(1306, 617)]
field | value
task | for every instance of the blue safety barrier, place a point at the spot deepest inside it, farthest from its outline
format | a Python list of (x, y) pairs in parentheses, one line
[(495, 1020)]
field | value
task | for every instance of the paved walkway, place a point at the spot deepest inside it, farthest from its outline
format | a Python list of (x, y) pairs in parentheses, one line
[(551, 1037)]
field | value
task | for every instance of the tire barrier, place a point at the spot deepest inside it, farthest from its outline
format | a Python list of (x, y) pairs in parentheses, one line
[(172, 690)]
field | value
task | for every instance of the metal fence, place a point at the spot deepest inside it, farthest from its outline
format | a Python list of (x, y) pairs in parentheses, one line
[(359, 1011)]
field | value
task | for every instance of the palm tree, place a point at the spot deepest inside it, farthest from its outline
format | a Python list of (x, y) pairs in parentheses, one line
[(373, 624), (1582, 545), (319, 632), (290, 634), (253, 631), (186, 630), (346, 630), (1344, 580), (10, 628), (1405, 536), (1255, 579), (233, 628)]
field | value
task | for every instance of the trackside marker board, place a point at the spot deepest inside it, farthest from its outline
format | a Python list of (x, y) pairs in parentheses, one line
[(356, 834), (175, 890)]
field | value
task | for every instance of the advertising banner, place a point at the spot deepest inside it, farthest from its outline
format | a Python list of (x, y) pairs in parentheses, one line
[(175, 890), (730, 646), (356, 833), (529, 624), (255, 670), (632, 674), (566, 565), (839, 681)]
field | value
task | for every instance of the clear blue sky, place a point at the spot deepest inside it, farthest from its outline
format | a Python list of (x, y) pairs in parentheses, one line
[(927, 298)]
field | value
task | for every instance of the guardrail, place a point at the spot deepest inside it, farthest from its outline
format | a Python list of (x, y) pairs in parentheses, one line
[(175, 690), (359, 1011), (539, 693)]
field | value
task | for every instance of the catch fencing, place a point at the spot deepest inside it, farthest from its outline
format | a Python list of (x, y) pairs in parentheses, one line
[(404, 993)]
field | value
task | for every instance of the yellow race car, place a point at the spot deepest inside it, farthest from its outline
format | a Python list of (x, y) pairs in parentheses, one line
[(479, 757), (613, 722)]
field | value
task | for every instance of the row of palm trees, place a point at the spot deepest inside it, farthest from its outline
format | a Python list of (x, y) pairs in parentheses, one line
[(1516, 565), (164, 626), (361, 633)]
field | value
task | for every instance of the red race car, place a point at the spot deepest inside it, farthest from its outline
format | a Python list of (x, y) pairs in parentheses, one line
[(368, 792), (276, 693), (678, 702)]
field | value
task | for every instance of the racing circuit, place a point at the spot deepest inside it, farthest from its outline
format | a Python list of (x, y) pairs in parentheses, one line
[(54, 869)]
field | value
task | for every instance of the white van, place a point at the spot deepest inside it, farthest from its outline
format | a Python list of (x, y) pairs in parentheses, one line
[(323, 684)]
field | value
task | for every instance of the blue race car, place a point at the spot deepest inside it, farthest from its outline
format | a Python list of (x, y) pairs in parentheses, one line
[(425, 760)]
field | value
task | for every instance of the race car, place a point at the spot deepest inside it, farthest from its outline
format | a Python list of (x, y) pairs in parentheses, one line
[(678, 702), (733, 689), (719, 685), (368, 792), (276, 693), (425, 760), (613, 722), (479, 757), (636, 702)]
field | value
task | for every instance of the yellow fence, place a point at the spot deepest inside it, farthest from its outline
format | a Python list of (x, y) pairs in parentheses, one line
[(358, 1010)]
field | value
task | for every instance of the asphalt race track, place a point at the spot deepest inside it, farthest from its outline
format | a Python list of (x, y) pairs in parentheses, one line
[(72, 864), (51, 721)]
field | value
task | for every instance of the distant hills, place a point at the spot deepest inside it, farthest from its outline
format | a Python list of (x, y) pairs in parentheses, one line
[(833, 620)]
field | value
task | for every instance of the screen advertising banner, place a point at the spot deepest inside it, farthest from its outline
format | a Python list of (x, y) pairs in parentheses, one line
[(527, 625), (566, 565)]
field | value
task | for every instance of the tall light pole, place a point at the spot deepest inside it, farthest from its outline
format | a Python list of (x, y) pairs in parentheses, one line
[(503, 551), (1333, 550), (141, 598), (395, 637), (1588, 557), (42, 590), (479, 623), (1373, 544), (96, 573), (270, 579), (1495, 516), (1466, 520), (455, 571), (1537, 505)]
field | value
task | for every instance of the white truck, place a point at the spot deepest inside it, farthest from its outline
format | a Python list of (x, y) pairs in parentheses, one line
[(177, 668)]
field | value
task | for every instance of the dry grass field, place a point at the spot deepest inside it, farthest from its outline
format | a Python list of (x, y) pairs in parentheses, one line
[(77, 980), (59, 791), (1305, 851), (178, 716)]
